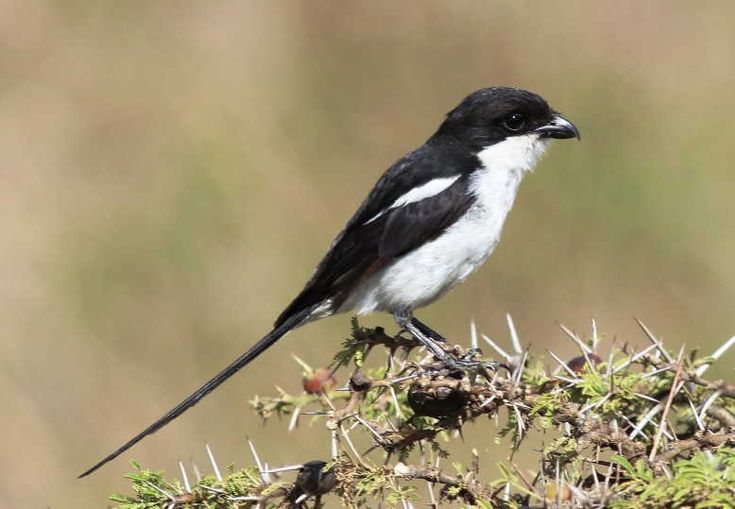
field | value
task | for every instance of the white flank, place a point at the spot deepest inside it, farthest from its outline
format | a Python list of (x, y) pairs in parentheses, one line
[(431, 188), (426, 273)]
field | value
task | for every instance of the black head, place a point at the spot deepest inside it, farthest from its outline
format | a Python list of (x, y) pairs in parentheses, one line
[(490, 115)]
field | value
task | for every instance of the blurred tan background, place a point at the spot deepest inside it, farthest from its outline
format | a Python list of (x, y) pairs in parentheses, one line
[(172, 171)]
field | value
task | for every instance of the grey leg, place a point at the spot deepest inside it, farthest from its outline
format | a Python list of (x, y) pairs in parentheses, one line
[(406, 321), (428, 331)]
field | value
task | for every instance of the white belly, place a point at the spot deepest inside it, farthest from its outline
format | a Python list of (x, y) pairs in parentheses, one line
[(425, 274)]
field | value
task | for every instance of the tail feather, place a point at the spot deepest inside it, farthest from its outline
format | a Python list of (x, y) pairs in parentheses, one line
[(277, 333)]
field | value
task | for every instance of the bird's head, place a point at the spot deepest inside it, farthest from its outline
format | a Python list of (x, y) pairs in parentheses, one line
[(491, 115)]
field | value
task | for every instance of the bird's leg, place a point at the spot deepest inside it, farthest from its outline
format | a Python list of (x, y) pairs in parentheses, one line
[(406, 321), (428, 331)]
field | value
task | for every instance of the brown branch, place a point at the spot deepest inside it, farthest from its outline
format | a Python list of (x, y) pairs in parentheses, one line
[(726, 389), (725, 417), (667, 407), (469, 490), (596, 433), (698, 441)]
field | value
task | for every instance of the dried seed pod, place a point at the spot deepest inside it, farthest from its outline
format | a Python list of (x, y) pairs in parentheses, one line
[(579, 364), (359, 381), (436, 400), (318, 381)]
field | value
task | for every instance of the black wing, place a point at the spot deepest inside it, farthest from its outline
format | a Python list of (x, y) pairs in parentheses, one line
[(410, 226), (437, 158), (377, 234)]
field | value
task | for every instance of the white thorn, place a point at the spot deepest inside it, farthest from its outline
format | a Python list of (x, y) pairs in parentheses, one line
[(590, 406), (521, 367), (567, 429), (519, 422), (334, 445), (403, 378), (487, 401), (432, 498), (708, 403), (645, 420), (646, 397), (497, 348), (666, 433), (257, 459), (700, 424), (594, 476), (286, 468), (351, 445), (716, 355), (558, 482), (514, 335), (666, 471), (631, 423), (610, 366), (213, 490), (655, 341), (370, 428), (586, 350), (578, 494), (294, 419), (197, 472), (214, 463), (635, 358), (562, 363), (184, 477), (394, 396), (302, 363), (656, 372), (473, 335), (164, 492), (595, 338), (266, 475)]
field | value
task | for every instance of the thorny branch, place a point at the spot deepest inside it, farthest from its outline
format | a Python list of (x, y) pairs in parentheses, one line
[(612, 423)]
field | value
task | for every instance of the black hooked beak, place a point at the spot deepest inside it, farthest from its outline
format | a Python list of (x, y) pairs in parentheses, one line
[(559, 128)]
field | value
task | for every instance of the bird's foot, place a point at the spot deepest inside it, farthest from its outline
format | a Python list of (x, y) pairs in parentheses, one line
[(447, 360), (468, 362)]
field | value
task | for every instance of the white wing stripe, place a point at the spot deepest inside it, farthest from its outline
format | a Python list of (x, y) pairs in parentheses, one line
[(431, 188)]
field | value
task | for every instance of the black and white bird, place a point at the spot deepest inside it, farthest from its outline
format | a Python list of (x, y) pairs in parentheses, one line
[(430, 221)]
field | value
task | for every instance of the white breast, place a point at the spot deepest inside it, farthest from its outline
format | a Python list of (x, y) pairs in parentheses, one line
[(423, 275)]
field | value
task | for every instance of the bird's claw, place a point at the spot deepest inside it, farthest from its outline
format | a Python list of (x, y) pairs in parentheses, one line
[(465, 363)]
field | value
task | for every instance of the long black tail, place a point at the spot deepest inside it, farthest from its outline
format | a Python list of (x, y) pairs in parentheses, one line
[(290, 323)]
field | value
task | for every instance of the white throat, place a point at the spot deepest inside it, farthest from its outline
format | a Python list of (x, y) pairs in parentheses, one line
[(514, 154), (503, 167)]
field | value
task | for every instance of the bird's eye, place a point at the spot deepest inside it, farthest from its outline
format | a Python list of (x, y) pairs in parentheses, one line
[(514, 122)]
